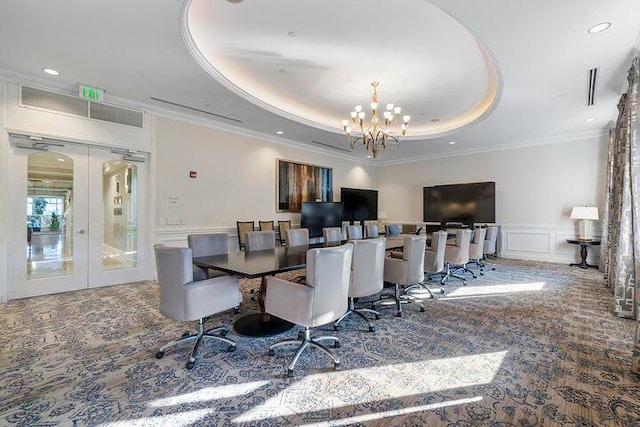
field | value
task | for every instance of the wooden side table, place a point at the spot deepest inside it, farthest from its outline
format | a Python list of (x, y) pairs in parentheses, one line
[(584, 247)]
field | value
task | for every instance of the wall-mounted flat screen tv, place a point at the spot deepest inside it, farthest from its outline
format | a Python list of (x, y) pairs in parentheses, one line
[(463, 203), (359, 205), (317, 215)]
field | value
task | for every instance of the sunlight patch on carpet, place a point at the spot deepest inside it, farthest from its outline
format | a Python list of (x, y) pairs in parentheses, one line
[(337, 389), (208, 394), (491, 290)]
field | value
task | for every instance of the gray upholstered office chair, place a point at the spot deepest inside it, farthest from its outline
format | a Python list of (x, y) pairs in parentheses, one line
[(260, 240), (321, 300), (371, 231), (405, 271), (297, 237), (243, 227), (207, 245), (433, 260), (456, 256), (185, 300), (367, 269), (332, 234), (393, 230), (476, 251), (490, 244), (354, 232), (283, 226)]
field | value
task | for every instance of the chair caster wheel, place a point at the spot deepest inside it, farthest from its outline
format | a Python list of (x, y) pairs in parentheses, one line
[(289, 373), (186, 334), (421, 309), (300, 334), (236, 310), (482, 274), (223, 333), (336, 344), (336, 365), (335, 327), (377, 317), (190, 364), (464, 283), (399, 315), (231, 349), (271, 352), (372, 328), (159, 354), (442, 290)]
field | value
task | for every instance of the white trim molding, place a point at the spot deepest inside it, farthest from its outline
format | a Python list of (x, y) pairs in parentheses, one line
[(543, 243)]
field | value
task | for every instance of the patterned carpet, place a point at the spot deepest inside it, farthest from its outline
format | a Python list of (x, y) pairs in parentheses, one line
[(530, 344)]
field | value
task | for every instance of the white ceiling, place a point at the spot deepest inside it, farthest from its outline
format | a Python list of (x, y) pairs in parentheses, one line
[(502, 73)]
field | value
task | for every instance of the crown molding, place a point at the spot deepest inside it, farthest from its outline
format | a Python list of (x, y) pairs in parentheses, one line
[(148, 108), (578, 136)]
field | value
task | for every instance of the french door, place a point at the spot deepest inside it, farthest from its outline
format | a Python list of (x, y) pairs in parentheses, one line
[(75, 217)]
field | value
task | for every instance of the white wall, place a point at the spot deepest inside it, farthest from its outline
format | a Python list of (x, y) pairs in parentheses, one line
[(236, 179), (4, 179), (536, 187)]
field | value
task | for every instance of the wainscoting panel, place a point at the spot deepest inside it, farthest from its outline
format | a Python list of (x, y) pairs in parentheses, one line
[(543, 243)]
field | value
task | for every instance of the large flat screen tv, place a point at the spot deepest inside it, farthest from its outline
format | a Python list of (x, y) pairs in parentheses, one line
[(317, 215), (359, 205), (463, 203)]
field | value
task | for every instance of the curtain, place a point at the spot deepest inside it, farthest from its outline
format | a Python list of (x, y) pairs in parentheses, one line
[(621, 213)]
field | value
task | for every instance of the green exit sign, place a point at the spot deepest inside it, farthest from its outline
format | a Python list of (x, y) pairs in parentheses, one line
[(91, 93)]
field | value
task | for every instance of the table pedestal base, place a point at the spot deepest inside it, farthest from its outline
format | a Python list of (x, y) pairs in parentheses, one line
[(251, 325)]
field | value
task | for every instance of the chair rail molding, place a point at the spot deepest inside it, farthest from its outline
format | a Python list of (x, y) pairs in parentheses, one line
[(543, 243)]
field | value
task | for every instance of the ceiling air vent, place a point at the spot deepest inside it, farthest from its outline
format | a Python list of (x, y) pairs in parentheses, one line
[(53, 101), (67, 104), (331, 146), (109, 113), (591, 89)]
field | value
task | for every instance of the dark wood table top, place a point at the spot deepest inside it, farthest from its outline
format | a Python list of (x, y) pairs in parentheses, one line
[(584, 242), (271, 261)]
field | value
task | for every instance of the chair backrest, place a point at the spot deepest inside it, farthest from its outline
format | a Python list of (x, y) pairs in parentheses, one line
[(328, 272), (208, 244), (490, 240), (460, 253), (409, 229), (260, 240), (371, 231), (413, 253), (367, 267), (332, 234), (265, 225), (174, 271), (283, 226), (477, 246), (243, 227), (434, 255), (393, 230), (297, 236), (354, 232)]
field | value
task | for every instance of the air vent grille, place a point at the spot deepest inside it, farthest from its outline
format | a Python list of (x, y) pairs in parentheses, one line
[(37, 98), (331, 146), (60, 103), (109, 113), (591, 86)]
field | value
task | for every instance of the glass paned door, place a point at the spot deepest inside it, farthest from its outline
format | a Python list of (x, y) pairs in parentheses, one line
[(49, 211)]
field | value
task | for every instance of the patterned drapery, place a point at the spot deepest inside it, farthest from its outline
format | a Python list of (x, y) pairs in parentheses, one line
[(621, 213)]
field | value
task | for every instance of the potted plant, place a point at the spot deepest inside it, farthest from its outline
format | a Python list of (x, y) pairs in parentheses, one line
[(39, 203), (55, 222)]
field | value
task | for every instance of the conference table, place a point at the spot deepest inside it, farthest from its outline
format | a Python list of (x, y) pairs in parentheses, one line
[(260, 264)]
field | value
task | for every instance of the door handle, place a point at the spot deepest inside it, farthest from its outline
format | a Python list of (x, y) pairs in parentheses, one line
[(81, 231)]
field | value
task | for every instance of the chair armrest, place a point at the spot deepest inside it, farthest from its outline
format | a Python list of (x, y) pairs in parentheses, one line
[(289, 300)]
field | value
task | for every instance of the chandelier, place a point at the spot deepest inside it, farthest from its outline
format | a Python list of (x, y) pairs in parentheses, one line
[(376, 133)]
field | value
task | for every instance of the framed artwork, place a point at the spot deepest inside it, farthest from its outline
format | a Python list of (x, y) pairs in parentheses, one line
[(298, 182)]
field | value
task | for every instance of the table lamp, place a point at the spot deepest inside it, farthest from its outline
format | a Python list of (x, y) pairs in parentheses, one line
[(585, 214)]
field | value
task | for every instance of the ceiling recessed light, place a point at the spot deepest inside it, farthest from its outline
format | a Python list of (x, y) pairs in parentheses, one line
[(279, 132), (61, 160), (51, 71), (589, 119), (598, 28), (451, 142)]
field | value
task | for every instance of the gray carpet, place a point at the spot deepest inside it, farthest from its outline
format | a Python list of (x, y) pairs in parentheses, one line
[(528, 344)]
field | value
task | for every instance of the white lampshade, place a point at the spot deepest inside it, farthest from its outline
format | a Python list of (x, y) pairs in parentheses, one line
[(585, 212)]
